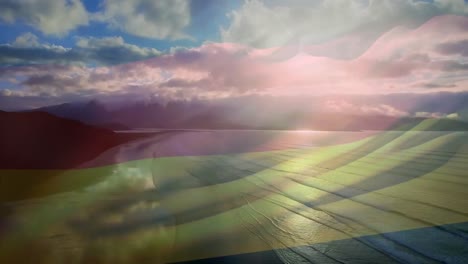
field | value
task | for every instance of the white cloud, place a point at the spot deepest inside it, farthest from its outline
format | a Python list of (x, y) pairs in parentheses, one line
[(453, 116), (29, 41), (55, 17), (26, 40), (312, 22), (344, 106), (162, 19), (146, 18), (429, 114)]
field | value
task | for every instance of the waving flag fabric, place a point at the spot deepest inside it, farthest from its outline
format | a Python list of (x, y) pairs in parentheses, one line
[(244, 131)]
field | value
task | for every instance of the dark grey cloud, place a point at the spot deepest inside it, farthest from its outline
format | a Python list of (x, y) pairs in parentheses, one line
[(11, 55), (454, 48), (99, 51), (49, 80), (454, 65), (112, 50)]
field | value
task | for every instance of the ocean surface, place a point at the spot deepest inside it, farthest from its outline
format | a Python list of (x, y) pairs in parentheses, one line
[(252, 197)]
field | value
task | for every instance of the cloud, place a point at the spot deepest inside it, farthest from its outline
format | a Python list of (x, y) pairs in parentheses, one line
[(146, 18), (396, 62), (454, 48), (26, 49), (52, 17), (411, 54), (453, 116), (6, 92), (401, 60), (112, 50), (183, 83), (429, 114), (358, 23), (344, 106), (26, 40), (163, 19)]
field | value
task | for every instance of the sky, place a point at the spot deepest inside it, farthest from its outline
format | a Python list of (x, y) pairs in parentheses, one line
[(54, 51)]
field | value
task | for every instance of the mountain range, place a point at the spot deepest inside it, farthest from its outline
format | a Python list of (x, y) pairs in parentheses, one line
[(210, 115)]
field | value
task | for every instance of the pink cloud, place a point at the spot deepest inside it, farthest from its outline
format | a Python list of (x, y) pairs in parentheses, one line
[(399, 61)]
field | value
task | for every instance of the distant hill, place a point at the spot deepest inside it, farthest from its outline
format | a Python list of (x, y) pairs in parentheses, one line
[(430, 124), (205, 115), (39, 140), (92, 113), (89, 112)]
